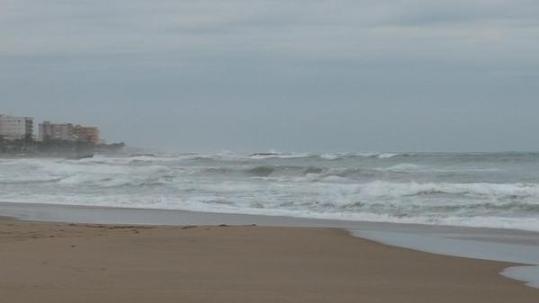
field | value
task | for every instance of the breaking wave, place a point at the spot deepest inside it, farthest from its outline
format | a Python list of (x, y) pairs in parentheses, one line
[(492, 190)]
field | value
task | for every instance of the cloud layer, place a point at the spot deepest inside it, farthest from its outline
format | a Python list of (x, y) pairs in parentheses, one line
[(296, 74)]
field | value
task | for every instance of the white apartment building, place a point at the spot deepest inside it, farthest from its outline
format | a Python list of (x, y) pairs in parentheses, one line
[(15, 128)]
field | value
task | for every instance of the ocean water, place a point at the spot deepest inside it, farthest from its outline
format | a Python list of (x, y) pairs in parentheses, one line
[(463, 189)]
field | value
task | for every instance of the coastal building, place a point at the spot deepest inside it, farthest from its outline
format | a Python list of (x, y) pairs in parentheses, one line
[(16, 128), (68, 132), (53, 131), (87, 134)]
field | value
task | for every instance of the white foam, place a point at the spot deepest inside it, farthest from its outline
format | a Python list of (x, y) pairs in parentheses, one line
[(404, 167), (387, 155), (349, 189)]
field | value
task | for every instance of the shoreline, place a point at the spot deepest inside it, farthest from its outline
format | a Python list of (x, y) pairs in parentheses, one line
[(502, 245), (158, 216), (137, 263)]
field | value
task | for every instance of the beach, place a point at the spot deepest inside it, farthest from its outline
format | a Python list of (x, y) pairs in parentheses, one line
[(269, 151), (61, 262)]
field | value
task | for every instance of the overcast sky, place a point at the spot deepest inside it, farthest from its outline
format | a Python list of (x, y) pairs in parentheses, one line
[(290, 75)]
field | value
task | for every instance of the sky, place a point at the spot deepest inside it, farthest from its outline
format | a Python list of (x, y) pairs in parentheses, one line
[(287, 75)]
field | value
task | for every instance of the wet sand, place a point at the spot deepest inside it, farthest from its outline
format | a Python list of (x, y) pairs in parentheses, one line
[(56, 262)]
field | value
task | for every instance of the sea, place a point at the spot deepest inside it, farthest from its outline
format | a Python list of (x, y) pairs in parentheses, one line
[(498, 190)]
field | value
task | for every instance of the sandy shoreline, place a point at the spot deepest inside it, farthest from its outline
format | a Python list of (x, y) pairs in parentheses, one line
[(55, 262)]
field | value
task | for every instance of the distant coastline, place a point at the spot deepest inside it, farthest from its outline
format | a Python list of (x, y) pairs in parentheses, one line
[(55, 148)]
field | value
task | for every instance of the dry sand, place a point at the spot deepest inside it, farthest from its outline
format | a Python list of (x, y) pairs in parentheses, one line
[(49, 262)]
